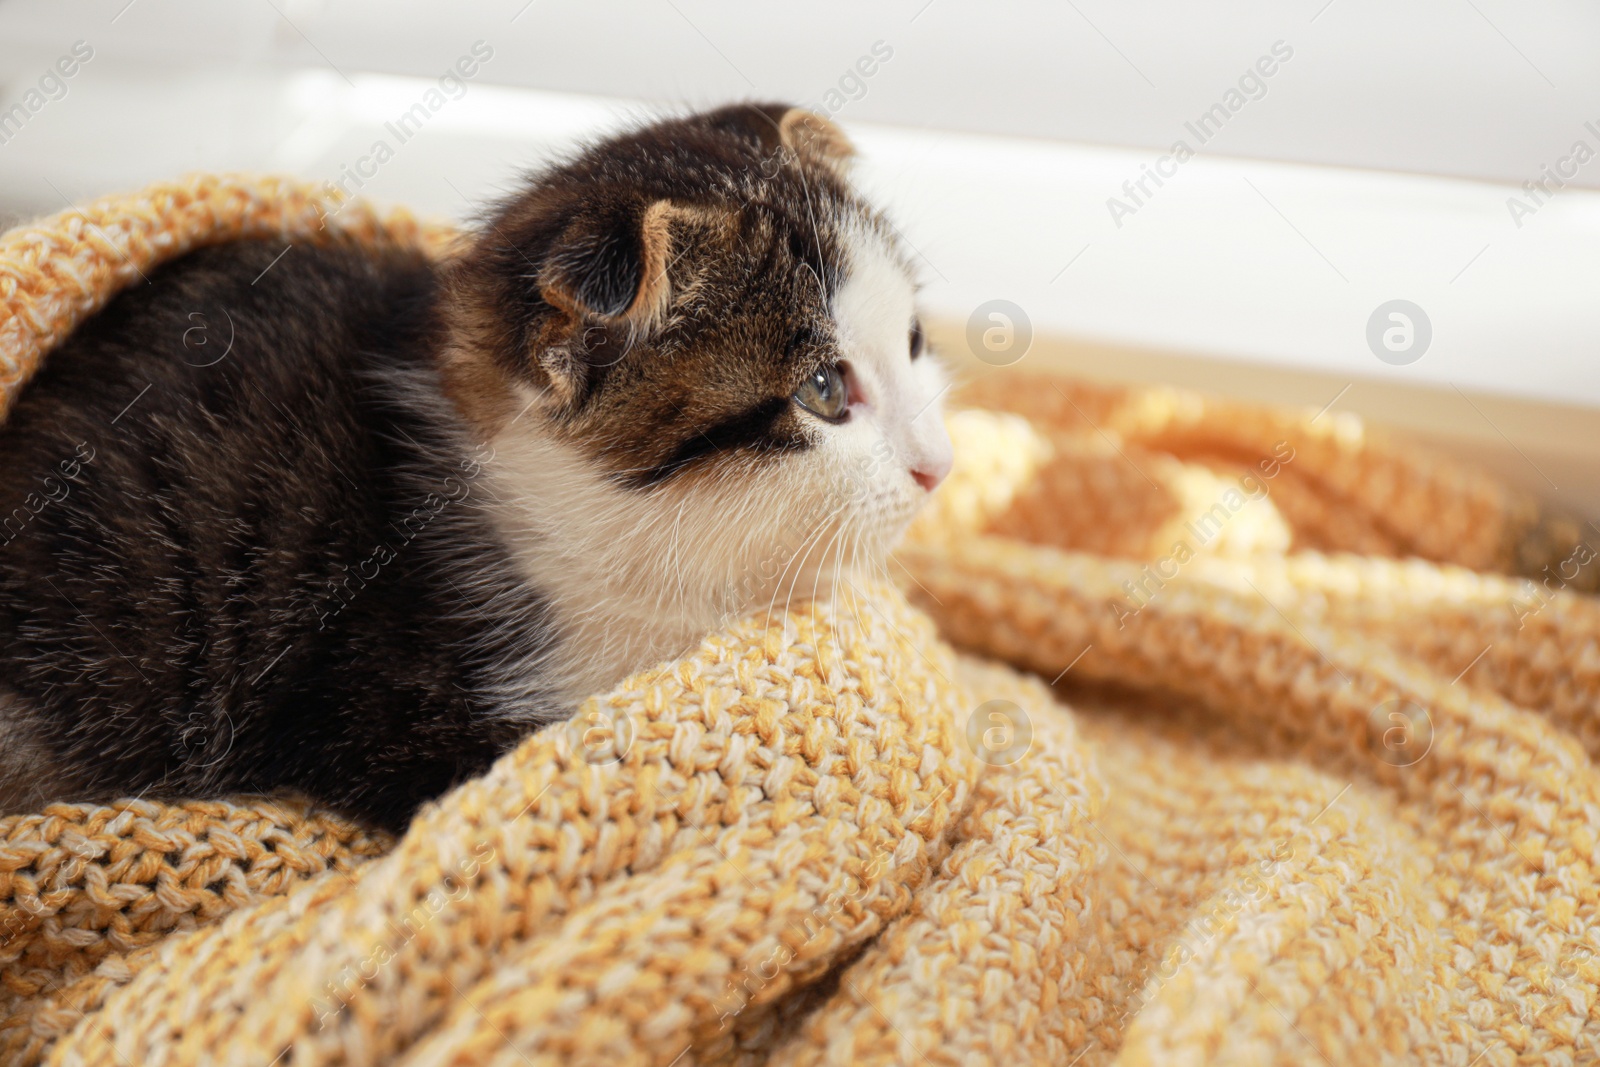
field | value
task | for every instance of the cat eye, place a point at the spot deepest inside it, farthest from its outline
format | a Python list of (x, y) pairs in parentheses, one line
[(823, 394), (917, 342)]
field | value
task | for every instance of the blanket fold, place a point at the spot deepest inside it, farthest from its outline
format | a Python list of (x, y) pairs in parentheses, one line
[(1254, 751)]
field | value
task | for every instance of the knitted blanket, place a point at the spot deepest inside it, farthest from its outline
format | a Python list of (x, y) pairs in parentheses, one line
[(1254, 752)]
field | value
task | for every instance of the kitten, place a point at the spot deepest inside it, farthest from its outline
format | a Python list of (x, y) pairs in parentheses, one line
[(350, 524)]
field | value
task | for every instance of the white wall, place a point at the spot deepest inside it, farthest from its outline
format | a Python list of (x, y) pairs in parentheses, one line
[(1474, 88)]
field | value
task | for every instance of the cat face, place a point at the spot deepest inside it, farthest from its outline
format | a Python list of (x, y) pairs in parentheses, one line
[(695, 353)]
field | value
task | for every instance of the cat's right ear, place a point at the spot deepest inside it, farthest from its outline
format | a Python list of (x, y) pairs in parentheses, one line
[(815, 139), (787, 135)]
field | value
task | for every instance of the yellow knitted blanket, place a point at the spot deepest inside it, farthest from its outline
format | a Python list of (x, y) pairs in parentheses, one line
[(1266, 794)]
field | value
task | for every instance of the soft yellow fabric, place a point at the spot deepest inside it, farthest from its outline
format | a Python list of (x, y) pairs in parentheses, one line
[(1256, 805)]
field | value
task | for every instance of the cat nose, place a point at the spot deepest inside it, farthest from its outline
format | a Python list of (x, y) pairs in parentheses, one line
[(931, 472)]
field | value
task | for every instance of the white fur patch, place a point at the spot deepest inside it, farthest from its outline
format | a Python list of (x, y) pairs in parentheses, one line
[(873, 310)]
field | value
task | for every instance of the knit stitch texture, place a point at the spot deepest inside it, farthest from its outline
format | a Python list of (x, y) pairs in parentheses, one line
[(1255, 752)]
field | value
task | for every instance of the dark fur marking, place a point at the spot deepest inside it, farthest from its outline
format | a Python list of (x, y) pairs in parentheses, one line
[(267, 576), (751, 429)]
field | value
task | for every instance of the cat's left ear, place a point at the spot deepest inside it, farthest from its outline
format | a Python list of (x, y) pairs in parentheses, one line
[(614, 269)]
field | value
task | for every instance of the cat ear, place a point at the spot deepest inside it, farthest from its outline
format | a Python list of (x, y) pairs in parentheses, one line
[(609, 277), (611, 268), (786, 134), (814, 139)]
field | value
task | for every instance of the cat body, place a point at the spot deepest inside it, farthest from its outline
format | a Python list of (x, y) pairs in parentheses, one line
[(348, 523)]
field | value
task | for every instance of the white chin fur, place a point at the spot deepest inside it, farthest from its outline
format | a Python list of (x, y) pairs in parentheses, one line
[(637, 577)]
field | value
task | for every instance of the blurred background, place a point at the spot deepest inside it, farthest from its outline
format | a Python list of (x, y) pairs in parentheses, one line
[(1368, 206)]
